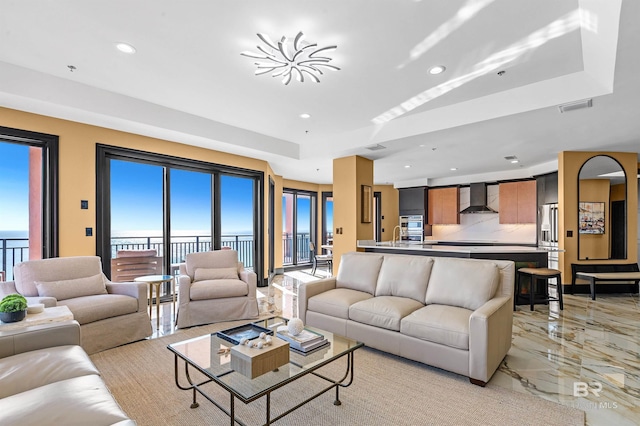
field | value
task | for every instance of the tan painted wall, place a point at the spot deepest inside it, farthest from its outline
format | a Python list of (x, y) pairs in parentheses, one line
[(77, 164), (349, 174), (390, 209), (569, 164)]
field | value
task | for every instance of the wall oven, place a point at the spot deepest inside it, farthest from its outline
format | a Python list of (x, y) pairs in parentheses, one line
[(412, 228)]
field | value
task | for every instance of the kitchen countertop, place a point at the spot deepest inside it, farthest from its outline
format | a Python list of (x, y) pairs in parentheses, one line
[(466, 249)]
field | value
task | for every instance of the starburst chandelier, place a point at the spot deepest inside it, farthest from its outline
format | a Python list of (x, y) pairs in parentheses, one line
[(288, 59)]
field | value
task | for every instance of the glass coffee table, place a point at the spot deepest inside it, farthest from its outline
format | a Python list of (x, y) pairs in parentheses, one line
[(201, 354)]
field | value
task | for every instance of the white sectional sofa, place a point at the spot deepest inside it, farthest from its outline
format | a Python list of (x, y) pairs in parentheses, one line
[(48, 379), (451, 313)]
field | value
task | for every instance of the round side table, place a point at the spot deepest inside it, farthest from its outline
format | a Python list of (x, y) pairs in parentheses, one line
[(156, 281)]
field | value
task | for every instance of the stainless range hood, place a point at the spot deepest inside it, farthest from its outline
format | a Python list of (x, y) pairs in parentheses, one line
[(478, 199)]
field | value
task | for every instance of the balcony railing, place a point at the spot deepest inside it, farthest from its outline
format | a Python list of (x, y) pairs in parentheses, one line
[(12, 251), (16, 250), (303, 255)]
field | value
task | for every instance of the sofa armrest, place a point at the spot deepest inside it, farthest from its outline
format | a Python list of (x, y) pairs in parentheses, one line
[(9, 287), (310, 289), (251, 278), (490, 334), (39, 337), (184, 289), (137, 290)]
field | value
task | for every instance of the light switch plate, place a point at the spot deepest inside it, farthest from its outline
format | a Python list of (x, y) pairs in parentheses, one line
[(84, 204)]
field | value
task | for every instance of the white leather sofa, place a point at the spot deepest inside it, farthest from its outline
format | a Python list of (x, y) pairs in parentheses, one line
[(48, 379), (451, 313), (110, 314)]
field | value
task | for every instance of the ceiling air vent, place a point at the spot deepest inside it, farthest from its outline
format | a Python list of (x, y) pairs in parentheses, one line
[(510, 157), (572, 106), (377, 147)]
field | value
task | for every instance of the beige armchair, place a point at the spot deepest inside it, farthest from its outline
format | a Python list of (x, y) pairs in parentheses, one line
[(213, 287), (110, 314)]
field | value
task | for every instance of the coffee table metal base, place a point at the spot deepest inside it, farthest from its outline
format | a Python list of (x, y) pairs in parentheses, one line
[(344, 382)]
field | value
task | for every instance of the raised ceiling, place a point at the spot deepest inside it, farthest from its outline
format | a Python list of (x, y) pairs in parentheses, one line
[(188, 83)]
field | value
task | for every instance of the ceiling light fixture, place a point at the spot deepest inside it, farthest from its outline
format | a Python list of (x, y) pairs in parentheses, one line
[(407, 166), (515, 161), (305, 115), (126, 48), (438, 69), (287, 58), (453, 169)]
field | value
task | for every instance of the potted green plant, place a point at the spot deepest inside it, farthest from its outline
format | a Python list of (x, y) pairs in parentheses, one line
[(13, 308)]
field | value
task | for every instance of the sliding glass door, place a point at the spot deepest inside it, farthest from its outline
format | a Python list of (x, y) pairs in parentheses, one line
[(176, 206), (299, 215)]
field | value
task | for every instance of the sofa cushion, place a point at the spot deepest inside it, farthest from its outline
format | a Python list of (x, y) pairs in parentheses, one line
[(137, 253), (359, 271), (404, 276), (383, 311), (336, 302), (29, 370), (95, 308), (78, 401), (466, 283), (446, 325), (68, 289), (218, 289), (210, 259), (204, 274), (55, 269)]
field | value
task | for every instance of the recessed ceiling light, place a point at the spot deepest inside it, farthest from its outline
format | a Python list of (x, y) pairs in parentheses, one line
[(407, 166), (125, 48), (453, 169), (421, 145), (305, 115), (514, 161), (438, 69)]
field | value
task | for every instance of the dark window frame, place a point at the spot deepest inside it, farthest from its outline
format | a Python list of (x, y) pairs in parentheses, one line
[(50, 183), (104, 153)]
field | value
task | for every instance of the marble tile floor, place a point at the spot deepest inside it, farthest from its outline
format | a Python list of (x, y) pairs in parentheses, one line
[(586, 356)]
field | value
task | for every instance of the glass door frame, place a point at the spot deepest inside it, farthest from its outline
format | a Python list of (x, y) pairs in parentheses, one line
[(105, 153), (50, 182), (313, 225)]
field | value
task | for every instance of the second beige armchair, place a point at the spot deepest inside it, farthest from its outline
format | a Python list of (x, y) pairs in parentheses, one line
[(214, 287)]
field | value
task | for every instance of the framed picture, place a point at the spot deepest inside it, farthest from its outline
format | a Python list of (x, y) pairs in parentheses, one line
[(591, 217), (366, 193)]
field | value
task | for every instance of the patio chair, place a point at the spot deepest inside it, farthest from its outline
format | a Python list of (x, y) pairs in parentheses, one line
[(131, 264), (320, 259), (214, 287)]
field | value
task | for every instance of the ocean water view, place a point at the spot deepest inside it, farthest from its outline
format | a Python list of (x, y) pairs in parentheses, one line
[(14, 245)]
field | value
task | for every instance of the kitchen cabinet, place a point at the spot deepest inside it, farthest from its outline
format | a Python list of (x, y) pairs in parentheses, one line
[(412, 201), (444, 206), (518, 202)]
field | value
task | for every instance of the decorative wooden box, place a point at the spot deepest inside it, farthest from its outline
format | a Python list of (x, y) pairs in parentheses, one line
[(254, 362)]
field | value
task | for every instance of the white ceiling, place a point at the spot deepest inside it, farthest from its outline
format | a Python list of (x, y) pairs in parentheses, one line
[(188, 83)]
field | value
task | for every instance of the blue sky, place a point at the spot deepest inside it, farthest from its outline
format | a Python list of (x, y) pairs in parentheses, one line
[(136, 200), (14, 187)]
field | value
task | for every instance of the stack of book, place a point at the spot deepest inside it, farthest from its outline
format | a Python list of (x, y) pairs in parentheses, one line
[(305, 342)]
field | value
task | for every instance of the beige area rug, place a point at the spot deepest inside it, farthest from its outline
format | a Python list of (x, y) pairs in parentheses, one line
[(387, 390)]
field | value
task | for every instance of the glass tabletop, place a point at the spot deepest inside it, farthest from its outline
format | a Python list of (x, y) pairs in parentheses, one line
[(202, 352)]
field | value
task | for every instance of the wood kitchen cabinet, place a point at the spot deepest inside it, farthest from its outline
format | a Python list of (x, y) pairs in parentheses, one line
[(443, 206), (518, 202)]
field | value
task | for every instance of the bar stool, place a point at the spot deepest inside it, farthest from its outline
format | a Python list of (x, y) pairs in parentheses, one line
[(539, 274)]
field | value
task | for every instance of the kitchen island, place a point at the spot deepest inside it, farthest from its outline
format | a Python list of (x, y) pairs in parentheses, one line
[(535, 256)]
